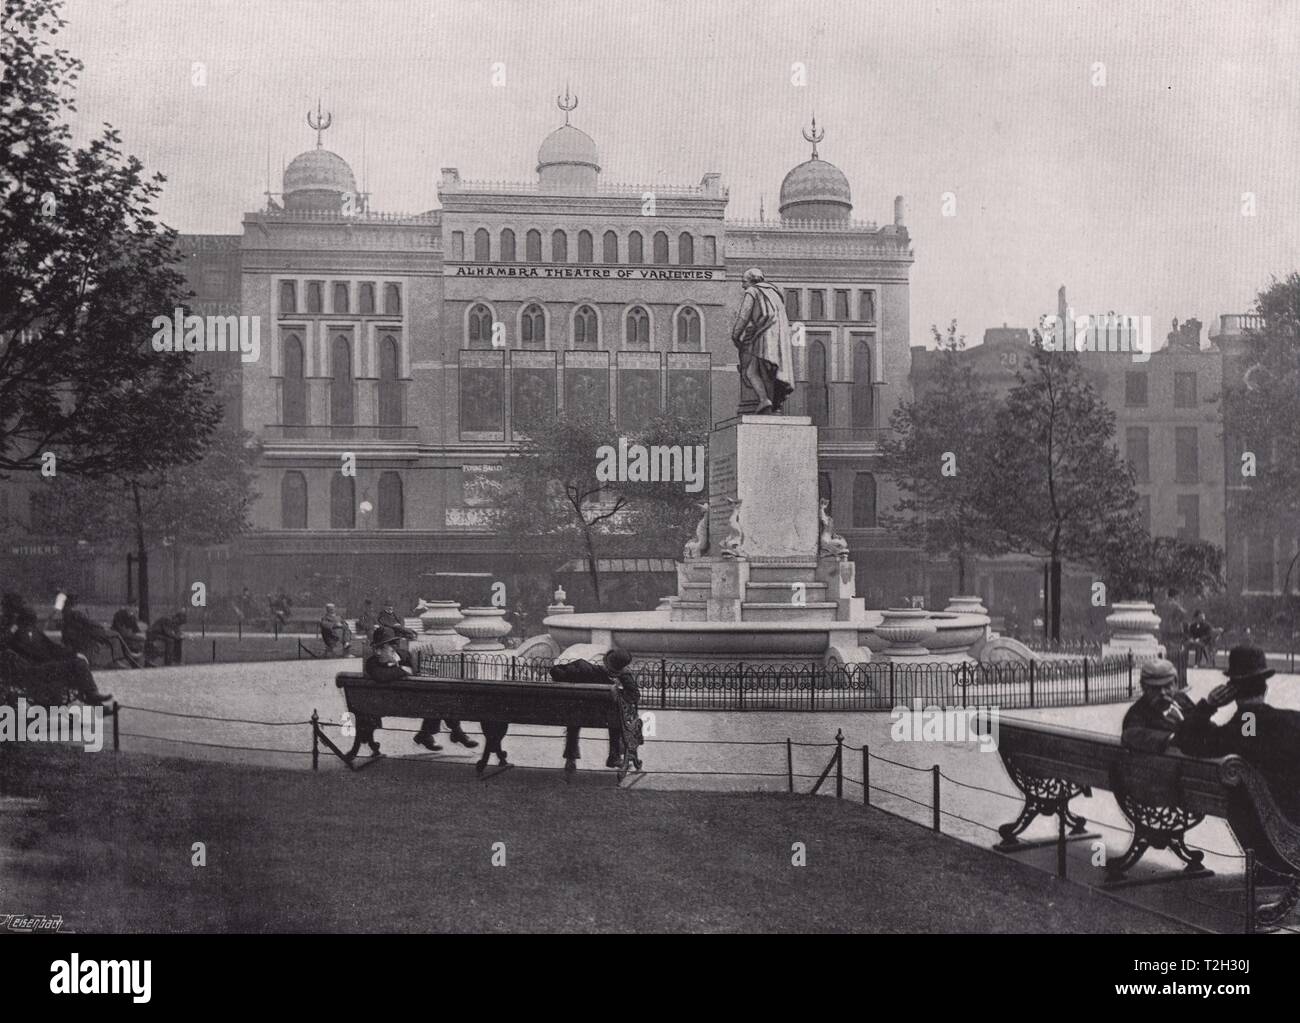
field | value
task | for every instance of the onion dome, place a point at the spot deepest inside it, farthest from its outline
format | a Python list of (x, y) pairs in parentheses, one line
[(568, 160), (815, 189), (318, 179)]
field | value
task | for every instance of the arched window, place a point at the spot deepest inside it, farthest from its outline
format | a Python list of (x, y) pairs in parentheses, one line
[(343, 501), (863, 394), (294, 400), (864, 501), (392, 300), (368, 299), (586, 332), (634, 249), (342, 407), (507, 246), (818, 394), (482, 247), (533, 246), (686, 249), (559, 247), (288, 297), (610, 254), (532, 327), (688, 330), (391, 513), (661, 247), (390, 394), (480, 327), (293, 501), (315, 301), (584, 247), (637, 329), (340, 296)]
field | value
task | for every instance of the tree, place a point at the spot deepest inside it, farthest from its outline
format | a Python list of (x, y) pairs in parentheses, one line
[(554, 494), (200, 503), (936, 455), (1143, 567), (1061, 489), (84, 270), (1261, 412)]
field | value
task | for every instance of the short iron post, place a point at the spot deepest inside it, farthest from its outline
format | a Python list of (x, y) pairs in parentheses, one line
[(1060, 841), (1032, 662), (315, 740), (214, 651), (789, 764), (1085, 678), (1250, 891), (866, 776), (839, 763), (1129, 658), (740, 688), (663, 683), (117, 744), (934, 774)]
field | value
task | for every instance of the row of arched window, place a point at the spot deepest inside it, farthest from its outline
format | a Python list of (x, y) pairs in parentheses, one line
[(864, 498), (312, 298), (342, 382), (612, 248), (388, 511), (584, 329)]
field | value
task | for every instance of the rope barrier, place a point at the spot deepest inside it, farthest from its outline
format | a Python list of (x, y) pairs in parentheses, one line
[(209, 717), (214, 745)]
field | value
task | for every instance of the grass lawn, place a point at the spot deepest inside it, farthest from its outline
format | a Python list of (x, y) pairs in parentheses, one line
[(409, 847)]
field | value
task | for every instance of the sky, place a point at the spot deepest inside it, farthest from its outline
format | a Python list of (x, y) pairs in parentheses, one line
[(1118, 148)]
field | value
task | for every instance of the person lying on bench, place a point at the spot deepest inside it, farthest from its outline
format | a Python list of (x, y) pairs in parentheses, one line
[(612, 669), (388, 664), (1264, 736), (335, 633), (1151, 722)]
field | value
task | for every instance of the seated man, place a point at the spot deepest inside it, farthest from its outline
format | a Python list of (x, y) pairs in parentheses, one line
[(429, 727), (1265, 736), (127, 626), (1151, 722), (80, 634), (47, 661), (336, 634), (165, 636)]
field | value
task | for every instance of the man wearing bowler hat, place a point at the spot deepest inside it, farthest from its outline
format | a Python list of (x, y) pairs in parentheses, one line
[(1266, 737)]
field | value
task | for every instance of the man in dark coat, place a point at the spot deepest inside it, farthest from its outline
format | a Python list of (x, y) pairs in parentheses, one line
[(427, 736), (335, 633), (1151, 722), (126, 625), (166, 635), (80, 634), (613, 668), (46, 660), (1266, 737)]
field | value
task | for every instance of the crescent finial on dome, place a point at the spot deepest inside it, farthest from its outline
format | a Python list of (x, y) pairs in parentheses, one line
[(566, 103), (322, 122), (814, 136)]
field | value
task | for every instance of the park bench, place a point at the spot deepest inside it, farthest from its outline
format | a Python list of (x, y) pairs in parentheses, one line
[(1162, 795), (579, 705)]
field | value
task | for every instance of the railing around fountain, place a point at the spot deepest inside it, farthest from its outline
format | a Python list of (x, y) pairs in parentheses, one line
[(876, 686)]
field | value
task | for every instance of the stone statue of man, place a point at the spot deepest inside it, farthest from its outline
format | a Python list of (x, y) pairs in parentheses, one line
[(761, 334)]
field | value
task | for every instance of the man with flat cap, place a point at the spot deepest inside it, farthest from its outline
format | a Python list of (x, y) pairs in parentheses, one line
[(1151, 722)]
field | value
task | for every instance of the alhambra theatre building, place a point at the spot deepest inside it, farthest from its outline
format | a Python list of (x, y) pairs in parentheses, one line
[(424, 345)]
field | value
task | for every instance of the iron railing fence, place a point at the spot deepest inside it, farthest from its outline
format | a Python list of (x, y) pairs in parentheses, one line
[(876, 686)]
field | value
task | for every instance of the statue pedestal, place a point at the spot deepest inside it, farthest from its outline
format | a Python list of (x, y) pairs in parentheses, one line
[(769, 463)]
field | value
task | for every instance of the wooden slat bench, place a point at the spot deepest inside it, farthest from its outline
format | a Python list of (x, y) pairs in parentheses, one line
[(578, 705), (1161, 795)]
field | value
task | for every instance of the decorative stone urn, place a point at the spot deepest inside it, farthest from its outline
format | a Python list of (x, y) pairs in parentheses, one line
[(559, 607), (906, 630), (484, 627), (440, 617), (967, 605), (1133, 626)]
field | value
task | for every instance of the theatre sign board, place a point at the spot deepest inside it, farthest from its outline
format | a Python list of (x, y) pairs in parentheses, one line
[(554, 271)]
